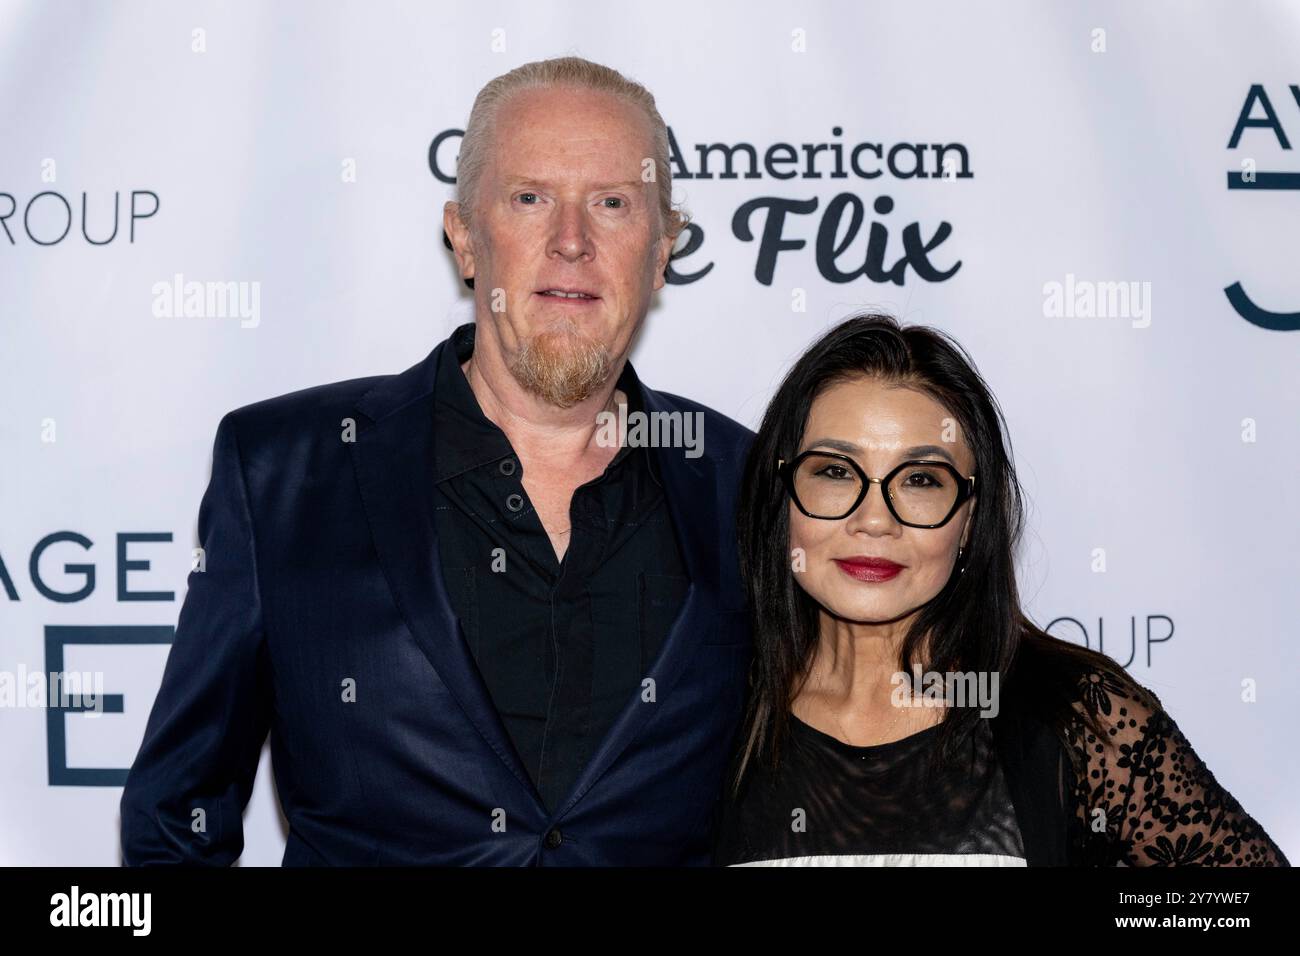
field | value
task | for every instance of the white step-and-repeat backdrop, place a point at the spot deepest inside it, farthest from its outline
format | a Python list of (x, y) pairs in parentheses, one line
[(1100, 201)]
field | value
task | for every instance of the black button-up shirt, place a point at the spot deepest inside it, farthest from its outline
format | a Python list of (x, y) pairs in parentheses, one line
[(562, 645)]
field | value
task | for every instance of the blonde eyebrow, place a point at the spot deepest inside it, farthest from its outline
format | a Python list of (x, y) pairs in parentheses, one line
[(516, 181)]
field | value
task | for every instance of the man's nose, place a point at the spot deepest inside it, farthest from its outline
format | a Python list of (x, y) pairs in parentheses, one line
[(571, 236)]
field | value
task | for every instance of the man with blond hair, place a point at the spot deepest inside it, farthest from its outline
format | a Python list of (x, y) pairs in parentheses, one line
[(478, 630)]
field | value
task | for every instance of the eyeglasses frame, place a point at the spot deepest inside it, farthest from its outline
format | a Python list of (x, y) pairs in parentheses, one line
[(785, 470)]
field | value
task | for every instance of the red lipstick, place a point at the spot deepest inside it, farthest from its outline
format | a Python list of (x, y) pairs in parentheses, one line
[(864, 568)]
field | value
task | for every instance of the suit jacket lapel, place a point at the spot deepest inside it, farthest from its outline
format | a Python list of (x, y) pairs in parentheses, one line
[(393, 458), (690, 485)]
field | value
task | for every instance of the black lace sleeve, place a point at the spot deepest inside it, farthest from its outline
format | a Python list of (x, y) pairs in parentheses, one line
[(1144, 798)]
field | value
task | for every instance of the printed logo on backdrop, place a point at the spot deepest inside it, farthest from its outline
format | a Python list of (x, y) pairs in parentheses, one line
[(59, 691), (848, 237), (1143, 636), (48, 217), (1249, 177)]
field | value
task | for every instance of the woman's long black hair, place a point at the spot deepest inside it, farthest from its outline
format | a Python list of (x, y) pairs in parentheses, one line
[(975, 623)]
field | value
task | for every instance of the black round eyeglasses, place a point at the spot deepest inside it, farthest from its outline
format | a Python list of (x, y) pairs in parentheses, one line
[(922, 493)]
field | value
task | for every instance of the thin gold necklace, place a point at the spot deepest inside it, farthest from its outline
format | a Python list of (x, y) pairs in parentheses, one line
[(844, 738)]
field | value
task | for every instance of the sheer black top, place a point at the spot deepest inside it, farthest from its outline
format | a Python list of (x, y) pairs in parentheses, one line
[(834, 804), (1141, 796)]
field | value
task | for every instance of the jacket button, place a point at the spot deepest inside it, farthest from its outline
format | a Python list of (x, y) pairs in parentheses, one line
[(553, 839)]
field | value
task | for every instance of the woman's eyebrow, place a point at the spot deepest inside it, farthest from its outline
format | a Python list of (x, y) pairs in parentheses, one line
[(837, 444), (916, 451), (921, 451)]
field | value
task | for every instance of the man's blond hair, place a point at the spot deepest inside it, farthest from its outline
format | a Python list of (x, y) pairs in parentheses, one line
[(572, 71)]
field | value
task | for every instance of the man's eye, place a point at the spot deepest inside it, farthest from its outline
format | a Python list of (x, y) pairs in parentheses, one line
[(522, 196), (614, 199)]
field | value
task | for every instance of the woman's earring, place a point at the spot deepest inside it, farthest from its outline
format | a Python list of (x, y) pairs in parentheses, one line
[(961, 570)]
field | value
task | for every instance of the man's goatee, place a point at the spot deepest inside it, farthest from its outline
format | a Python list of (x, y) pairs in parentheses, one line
[(561, 365)]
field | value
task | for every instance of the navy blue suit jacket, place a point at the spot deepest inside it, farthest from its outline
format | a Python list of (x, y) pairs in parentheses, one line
[(322, 574)]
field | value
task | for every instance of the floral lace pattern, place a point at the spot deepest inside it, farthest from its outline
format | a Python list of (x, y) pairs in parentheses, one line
[(1144, 798)]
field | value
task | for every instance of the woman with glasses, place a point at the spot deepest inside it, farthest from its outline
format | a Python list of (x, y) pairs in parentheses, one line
[(903, 710)]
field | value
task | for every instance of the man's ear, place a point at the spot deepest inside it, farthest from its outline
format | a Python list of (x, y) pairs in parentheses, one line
[(456, 237), (663, 251)]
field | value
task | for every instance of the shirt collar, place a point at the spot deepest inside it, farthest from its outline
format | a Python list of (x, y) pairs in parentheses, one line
[(468, 439)]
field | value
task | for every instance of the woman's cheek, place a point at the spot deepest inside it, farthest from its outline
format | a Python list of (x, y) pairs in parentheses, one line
[(806, 543)]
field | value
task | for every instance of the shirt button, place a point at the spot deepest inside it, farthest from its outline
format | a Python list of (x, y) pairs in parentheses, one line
[(507, 466), (515, 502), (553, 839)]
